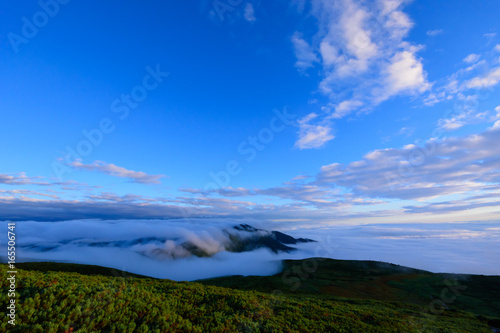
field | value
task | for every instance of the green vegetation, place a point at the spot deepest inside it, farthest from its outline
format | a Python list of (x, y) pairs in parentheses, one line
[(52, 298), (319, 277)]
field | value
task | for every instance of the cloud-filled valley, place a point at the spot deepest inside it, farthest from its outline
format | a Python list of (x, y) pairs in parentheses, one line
[(158, 248)]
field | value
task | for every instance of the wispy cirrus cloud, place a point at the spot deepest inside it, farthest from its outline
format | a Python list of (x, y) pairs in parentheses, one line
[(481, 72), (469, 116), (467, 89), (312, 135), (117, 171)]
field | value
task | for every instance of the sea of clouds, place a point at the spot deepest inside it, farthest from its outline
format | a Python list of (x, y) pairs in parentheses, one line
[(470, 248)]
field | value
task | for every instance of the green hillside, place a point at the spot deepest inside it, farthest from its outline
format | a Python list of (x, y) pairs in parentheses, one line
[(319, 277), (51, 298)]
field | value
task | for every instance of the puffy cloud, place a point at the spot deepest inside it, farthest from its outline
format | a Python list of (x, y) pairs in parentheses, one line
[(355, 37), (347, 46), (346, 107), (117, 171), (405, 73), (364, 57)]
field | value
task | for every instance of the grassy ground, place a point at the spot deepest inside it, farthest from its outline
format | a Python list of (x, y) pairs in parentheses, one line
[(75, 298), (320, 277)]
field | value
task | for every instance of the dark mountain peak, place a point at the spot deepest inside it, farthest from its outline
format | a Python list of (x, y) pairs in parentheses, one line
[(286, 239), (273, 240), (246, 227), (239, 238)]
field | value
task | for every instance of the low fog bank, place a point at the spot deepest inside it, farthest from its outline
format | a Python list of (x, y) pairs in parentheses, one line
[(467, 248), (152, 247)]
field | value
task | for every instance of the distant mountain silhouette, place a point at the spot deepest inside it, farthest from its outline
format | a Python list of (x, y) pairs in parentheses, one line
[(247, 239), (240, 238)]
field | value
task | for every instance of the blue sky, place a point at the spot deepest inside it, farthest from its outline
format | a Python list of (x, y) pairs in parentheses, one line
[(303, 111)]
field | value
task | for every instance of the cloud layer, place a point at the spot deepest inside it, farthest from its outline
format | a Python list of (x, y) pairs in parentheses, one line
[(443, 176), (127, 244), (452, 247)]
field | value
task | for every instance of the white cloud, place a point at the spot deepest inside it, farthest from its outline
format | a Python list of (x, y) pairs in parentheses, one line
[(468, 248), (488, 80), (472, 58), (312, 136), (19, 179), (405, 73), (434, 33), (346, 107), (406, 131), (437, 247), (346, 33), (453, 166), (399, 23), (354, 40), (49, 241), (480, 72), (358, 41), (249, 12), (497, 48), (304, 53), (14, 193), (117, 171), (469, 115), (329, 53)]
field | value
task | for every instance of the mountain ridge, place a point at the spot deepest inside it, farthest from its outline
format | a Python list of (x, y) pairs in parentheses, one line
[(105, 299)]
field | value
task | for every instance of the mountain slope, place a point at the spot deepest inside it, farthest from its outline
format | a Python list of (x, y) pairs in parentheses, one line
[(57, 301), (320, 277)]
